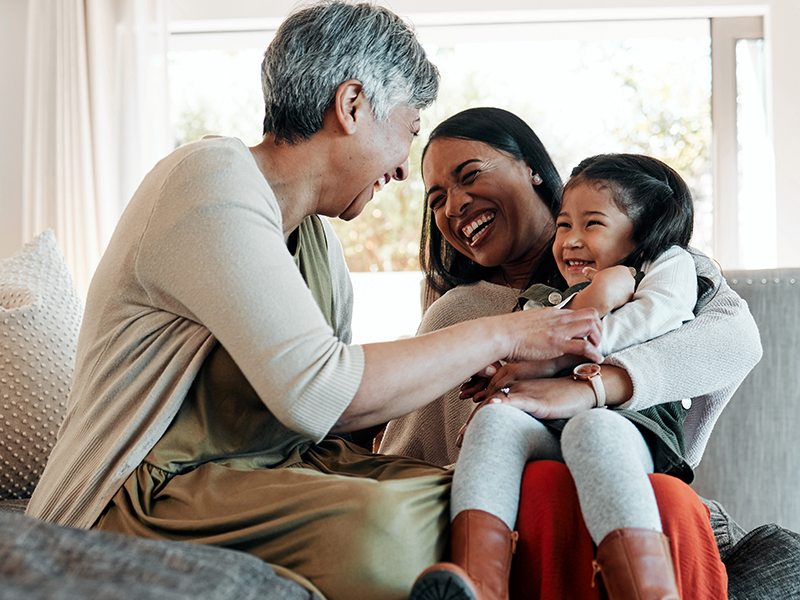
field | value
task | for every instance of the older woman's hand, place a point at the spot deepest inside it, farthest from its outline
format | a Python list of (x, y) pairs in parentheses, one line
[(551, 333)]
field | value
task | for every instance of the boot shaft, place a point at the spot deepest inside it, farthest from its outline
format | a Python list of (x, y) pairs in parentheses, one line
[(636, 564)]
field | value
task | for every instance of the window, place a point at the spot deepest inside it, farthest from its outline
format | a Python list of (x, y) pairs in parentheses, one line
[(585, 87)]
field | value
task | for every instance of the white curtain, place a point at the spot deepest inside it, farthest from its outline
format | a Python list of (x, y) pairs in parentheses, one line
[(96, 118)]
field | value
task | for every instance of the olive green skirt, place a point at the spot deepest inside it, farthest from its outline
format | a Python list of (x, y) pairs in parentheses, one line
[(354, 524)]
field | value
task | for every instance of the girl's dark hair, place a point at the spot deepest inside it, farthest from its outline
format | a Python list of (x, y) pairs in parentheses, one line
[(652, 195), (445, 267)]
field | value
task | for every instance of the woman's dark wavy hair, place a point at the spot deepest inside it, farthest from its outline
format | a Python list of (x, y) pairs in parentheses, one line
[(652, 195), (445, 267)]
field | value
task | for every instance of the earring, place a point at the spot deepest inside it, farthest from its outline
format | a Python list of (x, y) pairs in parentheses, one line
[(537, 179)]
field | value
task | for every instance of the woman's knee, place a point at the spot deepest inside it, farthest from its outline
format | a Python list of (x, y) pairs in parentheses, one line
[(398, 522)]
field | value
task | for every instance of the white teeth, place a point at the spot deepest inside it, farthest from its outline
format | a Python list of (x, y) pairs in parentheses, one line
[(379, 185), (467, 231)]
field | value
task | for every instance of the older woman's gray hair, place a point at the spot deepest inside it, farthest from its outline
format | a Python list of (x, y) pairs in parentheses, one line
[(318, 48)]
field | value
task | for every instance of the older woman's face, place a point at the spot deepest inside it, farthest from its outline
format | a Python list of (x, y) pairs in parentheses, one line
[(484, 202)]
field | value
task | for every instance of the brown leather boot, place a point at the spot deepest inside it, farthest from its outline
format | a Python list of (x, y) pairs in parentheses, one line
[(636, 564), (481, 548)]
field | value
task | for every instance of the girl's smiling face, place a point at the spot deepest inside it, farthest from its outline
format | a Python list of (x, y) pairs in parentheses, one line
[(591, 231), (485, 204)]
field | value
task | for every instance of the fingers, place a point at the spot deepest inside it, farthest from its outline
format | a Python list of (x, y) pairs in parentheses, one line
[(584, 323), (584, 348), (502, 381), (489, 371), (549, 333), (473, 386), (589, 273), (580, 334)]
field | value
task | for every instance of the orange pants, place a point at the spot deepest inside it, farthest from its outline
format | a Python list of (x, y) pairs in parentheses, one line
[(554, 553)]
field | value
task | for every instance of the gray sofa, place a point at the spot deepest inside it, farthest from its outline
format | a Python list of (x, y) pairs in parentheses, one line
[(750, 468), (752, 463)]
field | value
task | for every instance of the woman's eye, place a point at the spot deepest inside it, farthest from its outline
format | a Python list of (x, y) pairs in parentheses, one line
[(470, 177), (436, 202)]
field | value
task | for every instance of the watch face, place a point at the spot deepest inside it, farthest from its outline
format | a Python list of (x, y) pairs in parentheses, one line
[(587, 370)]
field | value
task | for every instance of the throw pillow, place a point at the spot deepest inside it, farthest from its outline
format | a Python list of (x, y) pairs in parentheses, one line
[(40, 314)]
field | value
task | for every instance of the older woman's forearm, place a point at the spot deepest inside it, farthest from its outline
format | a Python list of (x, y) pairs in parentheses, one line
[(404, 375)]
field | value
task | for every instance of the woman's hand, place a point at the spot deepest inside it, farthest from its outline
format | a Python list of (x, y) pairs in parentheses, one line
[(498, 376), (554, 398), (550, 333)]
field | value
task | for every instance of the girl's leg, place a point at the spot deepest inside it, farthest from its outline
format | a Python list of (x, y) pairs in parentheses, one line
[(499, 441), (609, 461)]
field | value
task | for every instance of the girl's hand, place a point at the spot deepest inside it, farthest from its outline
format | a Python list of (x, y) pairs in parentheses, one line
[(555, 398), (610, 288), (478, 382)]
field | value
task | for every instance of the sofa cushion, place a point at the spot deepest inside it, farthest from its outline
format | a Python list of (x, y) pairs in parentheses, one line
[(40, 314), (765, 565), (42, 561)]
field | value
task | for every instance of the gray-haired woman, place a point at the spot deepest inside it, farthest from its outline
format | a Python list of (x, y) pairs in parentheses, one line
[(214, 358)]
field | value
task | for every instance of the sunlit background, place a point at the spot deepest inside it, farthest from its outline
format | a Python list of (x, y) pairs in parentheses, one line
[(585, 88)]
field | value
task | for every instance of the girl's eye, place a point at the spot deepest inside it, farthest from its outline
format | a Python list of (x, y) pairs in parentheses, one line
[(560, 225), (590, 223)]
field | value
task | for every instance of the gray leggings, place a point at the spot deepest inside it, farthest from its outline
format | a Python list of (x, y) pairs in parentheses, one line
[(606, 455)]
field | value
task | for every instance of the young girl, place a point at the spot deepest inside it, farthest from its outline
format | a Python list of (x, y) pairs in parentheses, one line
[(620, 247)]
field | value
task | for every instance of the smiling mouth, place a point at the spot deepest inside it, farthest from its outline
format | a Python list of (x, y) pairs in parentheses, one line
[(474, 230), (578, 263)]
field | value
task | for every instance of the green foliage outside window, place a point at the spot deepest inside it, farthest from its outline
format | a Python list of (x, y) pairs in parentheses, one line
[(648, 96)]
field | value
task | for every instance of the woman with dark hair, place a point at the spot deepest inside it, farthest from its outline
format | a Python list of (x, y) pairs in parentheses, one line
[(490, 220), (621, 243)]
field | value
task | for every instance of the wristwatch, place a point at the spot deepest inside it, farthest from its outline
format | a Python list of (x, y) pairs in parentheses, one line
[(591, 372)]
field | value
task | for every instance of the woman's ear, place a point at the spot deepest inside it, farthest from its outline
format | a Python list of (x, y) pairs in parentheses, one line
[(349, 104)]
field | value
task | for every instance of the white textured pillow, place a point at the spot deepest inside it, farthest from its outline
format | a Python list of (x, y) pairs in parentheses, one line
[(40, 314)]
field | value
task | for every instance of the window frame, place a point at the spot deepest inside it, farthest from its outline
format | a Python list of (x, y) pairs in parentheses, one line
[(725, 32)]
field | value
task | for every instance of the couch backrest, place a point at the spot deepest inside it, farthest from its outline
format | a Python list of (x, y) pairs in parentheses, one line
[(752, 462)]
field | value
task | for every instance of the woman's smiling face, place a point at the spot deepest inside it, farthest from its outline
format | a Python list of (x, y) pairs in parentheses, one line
[(485, 204)]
